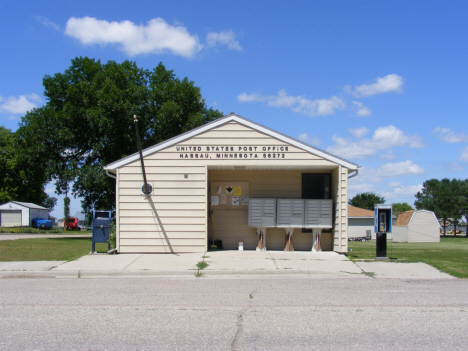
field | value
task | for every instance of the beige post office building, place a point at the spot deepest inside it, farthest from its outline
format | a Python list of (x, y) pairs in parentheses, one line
[(203, 180)]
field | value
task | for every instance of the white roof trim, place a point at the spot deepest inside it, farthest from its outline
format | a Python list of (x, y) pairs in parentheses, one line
[(412, 216), (229, 118)]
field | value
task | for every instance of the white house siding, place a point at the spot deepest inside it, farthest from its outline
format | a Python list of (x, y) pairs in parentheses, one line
[(273, 169), (357, 227)]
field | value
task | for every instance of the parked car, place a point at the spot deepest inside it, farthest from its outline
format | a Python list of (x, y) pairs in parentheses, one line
[(41, 223)]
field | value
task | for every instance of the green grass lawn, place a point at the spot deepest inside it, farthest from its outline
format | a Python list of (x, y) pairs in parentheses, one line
[(449, 256), (56, 249)]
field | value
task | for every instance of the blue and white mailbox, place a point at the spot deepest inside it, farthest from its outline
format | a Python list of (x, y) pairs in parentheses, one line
[(101, 227), (382, 226)]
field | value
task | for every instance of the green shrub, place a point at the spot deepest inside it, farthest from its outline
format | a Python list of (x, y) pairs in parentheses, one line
[(112, 235), (28, 230)]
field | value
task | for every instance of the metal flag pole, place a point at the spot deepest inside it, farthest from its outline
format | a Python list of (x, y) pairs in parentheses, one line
[(146, 189)]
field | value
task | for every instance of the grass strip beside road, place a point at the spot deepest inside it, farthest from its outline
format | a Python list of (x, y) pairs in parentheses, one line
[(51, 249), (449, 256)]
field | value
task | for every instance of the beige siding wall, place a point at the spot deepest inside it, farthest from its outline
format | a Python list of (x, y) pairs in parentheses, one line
[(180, 219), (423, 228), (340, 189)]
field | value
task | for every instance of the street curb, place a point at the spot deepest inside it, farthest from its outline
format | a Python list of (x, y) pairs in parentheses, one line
[(176, 274)]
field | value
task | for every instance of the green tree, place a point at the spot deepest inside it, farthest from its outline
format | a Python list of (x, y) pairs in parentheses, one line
[(8, 186), (366, 200), (50, 203), (464, 203), (442, 197), (400, 207), (66, 211), (22, 171), (87, 121)]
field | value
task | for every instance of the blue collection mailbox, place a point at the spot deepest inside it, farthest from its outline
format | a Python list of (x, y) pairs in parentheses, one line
[(101, 227)]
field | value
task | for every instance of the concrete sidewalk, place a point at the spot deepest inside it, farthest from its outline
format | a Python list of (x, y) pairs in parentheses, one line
[(221, 263)]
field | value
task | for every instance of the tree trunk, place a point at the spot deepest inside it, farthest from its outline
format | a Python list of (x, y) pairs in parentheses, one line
[(445, 226)]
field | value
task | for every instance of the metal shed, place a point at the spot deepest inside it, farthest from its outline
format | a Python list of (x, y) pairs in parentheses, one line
[(20, 214), (416, 226)]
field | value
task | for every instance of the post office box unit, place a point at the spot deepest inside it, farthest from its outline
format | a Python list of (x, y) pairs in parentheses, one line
[(318, 213), (262, 212), (290, 213)]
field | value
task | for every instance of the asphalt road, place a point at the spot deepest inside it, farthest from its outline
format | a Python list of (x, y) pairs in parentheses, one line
[(233, 314)]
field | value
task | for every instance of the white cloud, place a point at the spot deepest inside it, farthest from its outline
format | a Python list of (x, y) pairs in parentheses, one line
[(45, 21), (320, 107), (391, 83), (361, 110), (244, 97), (19, 105), (227, 38), (156, 37), (347, 149), (384, 138), (402, 192), (464, 155), (359, 132), (450, 136), (309, 140), (394, 184), (404, 168), (387, 155)]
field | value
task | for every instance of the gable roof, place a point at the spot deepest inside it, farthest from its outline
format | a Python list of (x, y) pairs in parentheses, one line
[(27, 204), (359, 212), (241, 120), (404, 217)]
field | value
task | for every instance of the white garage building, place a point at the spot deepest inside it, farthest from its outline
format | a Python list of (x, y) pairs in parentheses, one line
[(20, 214), (202, 182)]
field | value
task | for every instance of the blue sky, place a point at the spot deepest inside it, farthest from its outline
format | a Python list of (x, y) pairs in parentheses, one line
[(380, 83)]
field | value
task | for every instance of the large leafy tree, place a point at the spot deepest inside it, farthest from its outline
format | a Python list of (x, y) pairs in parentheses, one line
[(87, 121), (442, 197), (366, 200), (22, 174)]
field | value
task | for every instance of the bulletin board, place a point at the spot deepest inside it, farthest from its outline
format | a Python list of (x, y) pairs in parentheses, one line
[(229, 196)]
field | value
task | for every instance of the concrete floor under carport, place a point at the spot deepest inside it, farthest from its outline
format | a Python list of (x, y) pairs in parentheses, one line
[(231, 225)]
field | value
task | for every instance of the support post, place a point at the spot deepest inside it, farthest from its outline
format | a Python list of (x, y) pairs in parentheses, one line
[(316, 235), (289, 245), (261, 232)]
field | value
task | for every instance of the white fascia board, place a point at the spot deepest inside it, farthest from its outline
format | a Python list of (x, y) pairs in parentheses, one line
[(232, 117), (424, 211)]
